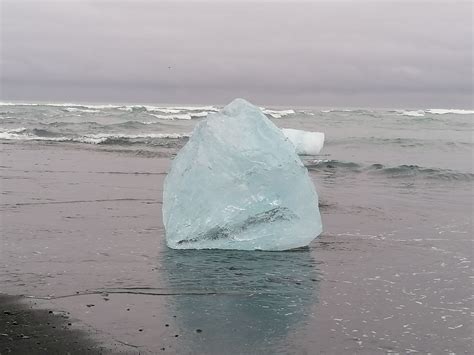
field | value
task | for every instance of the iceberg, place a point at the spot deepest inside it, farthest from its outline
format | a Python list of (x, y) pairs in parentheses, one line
[(306, 143), (239, 184)]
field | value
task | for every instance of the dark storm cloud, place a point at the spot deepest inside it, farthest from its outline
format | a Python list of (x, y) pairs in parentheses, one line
[(313, 53)]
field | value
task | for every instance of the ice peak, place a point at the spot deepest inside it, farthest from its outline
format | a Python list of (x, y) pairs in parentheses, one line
[(239, 106)]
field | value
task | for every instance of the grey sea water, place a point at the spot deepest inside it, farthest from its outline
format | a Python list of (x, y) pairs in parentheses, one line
[(391, 273), (432, 143)]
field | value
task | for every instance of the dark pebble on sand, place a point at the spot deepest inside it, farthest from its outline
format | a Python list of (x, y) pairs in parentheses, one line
[(198, 330), (8, 313), (140, 330), (69, 324), (128, 309), (90, 305), (50, 312), (14, 322), (163, 349), (167, 325), (176, 335)]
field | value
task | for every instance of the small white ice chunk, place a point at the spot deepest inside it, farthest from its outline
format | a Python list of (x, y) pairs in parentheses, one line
[(306, 143), (239, 184)]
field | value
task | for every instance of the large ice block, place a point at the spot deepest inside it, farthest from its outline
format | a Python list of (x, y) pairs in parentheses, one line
[(239, 184)]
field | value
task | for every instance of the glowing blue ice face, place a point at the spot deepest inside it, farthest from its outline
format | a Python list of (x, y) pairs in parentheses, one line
[(239, 184)]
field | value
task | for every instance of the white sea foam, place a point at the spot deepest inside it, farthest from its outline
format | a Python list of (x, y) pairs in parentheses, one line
[(13, 130), (337, 110), (100, 138), (30, 137), (85, 110), (416, 113), (179, 116), (20, 134), (192, 108), (277, 113), (164, 109), (169, 109), (454, 111)]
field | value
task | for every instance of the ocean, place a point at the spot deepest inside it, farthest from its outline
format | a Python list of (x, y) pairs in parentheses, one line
[(391, 273)]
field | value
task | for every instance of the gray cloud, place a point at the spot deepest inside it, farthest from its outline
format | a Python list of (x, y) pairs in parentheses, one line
[(310, 53)]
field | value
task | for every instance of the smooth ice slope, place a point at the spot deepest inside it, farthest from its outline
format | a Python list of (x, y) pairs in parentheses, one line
[(306, 143), (239, 184)]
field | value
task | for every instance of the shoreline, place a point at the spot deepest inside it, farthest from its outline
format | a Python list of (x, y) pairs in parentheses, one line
[(25, 329)]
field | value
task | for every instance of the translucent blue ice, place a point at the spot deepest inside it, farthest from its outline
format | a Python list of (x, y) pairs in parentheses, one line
[(239, 184)]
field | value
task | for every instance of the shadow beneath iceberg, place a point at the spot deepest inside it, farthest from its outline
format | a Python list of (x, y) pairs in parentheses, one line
[(239, 301)]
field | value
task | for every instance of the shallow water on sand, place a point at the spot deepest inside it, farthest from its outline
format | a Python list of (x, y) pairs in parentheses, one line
[(81, 226)]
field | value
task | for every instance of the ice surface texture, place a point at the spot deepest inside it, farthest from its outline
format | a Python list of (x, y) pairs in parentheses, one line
[(239, 184), (306, 143)]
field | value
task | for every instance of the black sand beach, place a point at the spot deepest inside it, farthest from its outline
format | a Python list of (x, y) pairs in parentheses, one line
[(25, 330), (82, 234)]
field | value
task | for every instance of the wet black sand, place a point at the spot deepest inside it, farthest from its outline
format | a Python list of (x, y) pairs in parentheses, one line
[(25, 330)]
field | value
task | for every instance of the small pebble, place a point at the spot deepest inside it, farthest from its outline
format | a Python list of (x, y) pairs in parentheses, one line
[(90, 305), (198, 330), (15, 322), (167, 325), (176, 335), (140, 330)]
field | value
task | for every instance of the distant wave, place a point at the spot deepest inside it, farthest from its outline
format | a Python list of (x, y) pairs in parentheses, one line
[(180, 116), (355, 110), (417, 113), (337, 110), (422, 113), (410, 113), (400, 171), (23, 134), (93, 106), (85, 110), (277, 113), (455, 111)]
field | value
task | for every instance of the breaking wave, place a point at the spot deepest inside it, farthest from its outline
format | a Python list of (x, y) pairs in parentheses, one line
[(23, 134), (170, 112), (422, 113)]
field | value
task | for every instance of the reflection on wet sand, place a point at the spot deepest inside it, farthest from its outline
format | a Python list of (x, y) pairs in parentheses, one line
[(257, 297)]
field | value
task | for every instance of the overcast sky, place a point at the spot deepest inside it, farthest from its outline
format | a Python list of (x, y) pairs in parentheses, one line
[(333, 53)]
